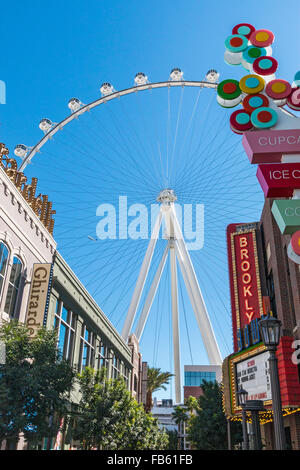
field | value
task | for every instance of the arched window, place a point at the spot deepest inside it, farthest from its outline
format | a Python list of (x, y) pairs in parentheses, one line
[(3, 264), (13, 287)]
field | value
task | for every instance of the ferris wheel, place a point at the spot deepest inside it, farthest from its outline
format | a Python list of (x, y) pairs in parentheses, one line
[(144, 182)]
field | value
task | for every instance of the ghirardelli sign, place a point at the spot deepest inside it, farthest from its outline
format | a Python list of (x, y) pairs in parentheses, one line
[(38, 296)]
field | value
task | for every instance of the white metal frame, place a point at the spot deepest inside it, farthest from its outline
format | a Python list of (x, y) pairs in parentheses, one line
[(178, 252), (116, 94)]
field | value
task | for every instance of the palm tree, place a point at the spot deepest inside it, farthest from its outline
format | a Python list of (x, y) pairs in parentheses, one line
[(180, 417), (156, 380), (191, 404)]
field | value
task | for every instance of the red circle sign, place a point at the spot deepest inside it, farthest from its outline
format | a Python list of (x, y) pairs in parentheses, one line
[(295, 242)]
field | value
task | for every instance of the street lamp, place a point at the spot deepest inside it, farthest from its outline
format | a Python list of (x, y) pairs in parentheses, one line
[(270, 333), (242, 397), (255, 406)]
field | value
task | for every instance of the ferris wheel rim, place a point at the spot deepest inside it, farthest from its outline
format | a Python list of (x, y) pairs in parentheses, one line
[(114, 95)]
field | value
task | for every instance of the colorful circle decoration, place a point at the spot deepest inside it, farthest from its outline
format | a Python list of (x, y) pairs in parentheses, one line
[(262, 38), (252, 102), (295, 242), (265, 66), (240, 121), (244, 29), (278, 89), (236, 43), (258, 91), (251, 54), (264, 117), (297, 79), (233, 58), (293, 100), (229, 93), (252, 84)]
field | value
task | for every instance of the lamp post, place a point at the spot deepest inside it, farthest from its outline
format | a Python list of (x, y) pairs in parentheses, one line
[(270, 333), (255, 406), (242, 397)]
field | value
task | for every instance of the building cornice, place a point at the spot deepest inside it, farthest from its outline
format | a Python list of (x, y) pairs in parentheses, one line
[(36, 227)]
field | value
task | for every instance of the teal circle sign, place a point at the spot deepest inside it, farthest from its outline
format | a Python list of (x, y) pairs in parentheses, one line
[(252, 82), (270, 118), (265, 64), (244, 30), (242, 118), (256, 101)]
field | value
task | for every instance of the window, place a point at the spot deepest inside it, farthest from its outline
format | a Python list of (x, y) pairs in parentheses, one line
[(291, 310), (3, 263), (87, 348), (125, 375), (116, 367), (196, 378), (124, 372), (103, 356), (65, 324), (271, 292), (13, 287)]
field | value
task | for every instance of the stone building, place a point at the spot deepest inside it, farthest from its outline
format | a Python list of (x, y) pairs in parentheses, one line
[(283, 288), (24, 238)]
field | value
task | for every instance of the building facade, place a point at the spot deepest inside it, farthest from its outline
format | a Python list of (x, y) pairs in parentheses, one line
[(85, 335), (24, 238), (162, 410), (194, 375), (263, 280), (283, 289)]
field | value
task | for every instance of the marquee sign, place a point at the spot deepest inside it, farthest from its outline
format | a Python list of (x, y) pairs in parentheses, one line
[(246, 297), (38, 298), (287, 215), (279, 180), (268, 147), (250, 369), (253, 376)]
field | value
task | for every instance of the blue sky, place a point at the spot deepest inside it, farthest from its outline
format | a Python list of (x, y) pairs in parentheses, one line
[(60, 49)]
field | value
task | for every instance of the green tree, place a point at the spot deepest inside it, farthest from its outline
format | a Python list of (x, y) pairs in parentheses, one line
[(156, 380), (173, 439), (180, 417), (109, 418), (191, 404), (34, 384), (207, 429)]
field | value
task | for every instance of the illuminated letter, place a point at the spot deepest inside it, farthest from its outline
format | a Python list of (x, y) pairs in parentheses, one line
[(244, 253), (246, 278), (247, 291), (243, 242), (245, 266)]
